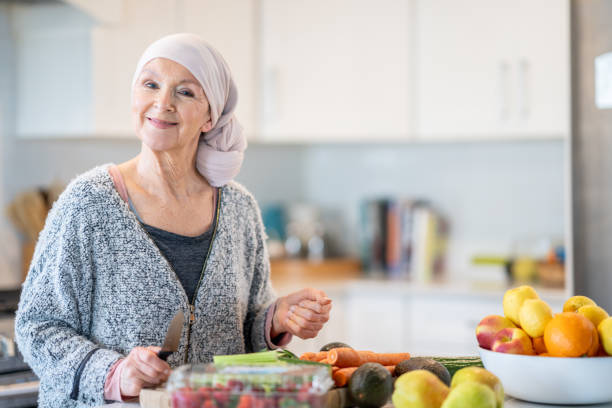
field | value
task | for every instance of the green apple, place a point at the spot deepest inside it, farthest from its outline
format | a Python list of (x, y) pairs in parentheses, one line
[(419, 389), (470, 394), (482, 376)]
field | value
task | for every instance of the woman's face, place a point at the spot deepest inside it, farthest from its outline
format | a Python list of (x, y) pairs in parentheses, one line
[(169, 107)]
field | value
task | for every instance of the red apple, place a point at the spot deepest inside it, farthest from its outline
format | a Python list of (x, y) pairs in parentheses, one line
[(488, 328), (514, 341)]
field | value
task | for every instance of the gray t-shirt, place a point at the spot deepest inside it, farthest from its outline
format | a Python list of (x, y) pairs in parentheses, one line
[(186, 255)]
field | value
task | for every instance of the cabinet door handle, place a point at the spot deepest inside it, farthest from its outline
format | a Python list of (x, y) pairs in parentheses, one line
[(504, 70), (523, 88)]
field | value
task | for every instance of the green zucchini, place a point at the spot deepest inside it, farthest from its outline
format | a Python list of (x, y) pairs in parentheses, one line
[(453, 364)]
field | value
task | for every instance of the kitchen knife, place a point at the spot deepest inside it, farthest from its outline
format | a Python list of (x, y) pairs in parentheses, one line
[(173, 336)]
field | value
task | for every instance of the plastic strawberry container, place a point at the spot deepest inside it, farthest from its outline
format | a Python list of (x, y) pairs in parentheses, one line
[(244, 386)]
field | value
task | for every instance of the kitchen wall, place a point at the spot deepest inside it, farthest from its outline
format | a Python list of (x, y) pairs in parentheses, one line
[(495, 194), (9, 250)]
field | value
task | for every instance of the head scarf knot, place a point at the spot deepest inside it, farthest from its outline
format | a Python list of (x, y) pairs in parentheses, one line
[(220, 150)]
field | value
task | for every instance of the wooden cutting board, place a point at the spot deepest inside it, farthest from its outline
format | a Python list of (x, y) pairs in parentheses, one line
[(154, 398), (160, 398)]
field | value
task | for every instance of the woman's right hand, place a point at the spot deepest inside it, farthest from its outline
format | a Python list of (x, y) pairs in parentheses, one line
[(142, 369)]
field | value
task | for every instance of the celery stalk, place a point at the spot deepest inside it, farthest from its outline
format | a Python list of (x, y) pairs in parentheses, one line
[(262, 357)]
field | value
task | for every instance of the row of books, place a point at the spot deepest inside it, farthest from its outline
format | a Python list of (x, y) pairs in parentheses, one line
[(402, 239)]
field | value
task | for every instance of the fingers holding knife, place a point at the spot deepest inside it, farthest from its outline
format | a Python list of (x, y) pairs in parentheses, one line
[(142, 368)]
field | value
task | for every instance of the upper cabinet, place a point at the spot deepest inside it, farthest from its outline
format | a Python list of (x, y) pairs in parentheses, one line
[(75, 60), (492, 69), (319, 70), (115, 50), (229, 26), (334, 70), (52, 88)]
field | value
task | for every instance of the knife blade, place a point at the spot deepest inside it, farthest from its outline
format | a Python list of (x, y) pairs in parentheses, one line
[(173, 336)]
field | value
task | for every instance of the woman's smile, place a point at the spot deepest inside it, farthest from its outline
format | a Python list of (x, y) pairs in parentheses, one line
[(161, 124)]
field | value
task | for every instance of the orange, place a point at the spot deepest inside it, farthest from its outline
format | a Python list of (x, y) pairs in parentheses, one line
[(569, 334), (595, 344), (538, 345)]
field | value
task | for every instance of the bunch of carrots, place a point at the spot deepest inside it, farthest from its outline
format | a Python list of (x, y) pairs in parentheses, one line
[(345, 361)]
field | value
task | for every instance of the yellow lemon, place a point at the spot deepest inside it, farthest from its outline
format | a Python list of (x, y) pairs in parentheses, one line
[(513, 300), (534, 315), (605, 334), (576, 302), (594, 313)]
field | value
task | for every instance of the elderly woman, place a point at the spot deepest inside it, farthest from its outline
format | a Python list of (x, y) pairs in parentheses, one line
[(128, 246)]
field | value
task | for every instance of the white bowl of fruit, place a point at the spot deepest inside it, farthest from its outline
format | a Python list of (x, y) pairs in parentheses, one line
[(546, 357)]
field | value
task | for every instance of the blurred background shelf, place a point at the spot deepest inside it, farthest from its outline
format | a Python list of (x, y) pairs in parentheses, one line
[(286, 272)]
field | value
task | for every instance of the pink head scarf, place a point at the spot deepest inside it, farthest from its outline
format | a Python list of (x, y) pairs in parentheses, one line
[(220, 150)]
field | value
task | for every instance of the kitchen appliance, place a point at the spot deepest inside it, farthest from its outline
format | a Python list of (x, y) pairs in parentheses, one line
[(18, 383), (590, 171)]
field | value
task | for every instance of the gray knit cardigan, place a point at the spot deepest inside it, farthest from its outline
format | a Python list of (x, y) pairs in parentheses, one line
[(98, 281)]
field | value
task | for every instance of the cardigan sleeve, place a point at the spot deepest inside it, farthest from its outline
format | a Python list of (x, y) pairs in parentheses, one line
[(54, 314), (261, 295)]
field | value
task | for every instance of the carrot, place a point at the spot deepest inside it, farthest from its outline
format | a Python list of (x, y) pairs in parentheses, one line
[(307, 356), (346, 357), (343, 375), (321, 357), (314, 356), (334, 369), (324, 361)]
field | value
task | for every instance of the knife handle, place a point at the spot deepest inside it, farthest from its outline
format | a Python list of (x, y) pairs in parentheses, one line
[(163, 354)]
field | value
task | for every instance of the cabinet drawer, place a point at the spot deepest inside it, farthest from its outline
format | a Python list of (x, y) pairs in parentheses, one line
[(447, 321)]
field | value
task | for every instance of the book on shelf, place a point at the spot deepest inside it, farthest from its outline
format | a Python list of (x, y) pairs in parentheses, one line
[(402, 238)]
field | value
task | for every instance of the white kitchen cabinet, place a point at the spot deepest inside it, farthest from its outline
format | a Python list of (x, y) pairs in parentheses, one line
[(52, 69), (116, 49), (334, 70), (230, 27), (227, 25), (376, 320), (492, 69), (397, 316), (76, 68), (336, 329), (446, 324)]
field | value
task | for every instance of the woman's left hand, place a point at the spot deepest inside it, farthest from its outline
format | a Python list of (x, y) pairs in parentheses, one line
[(302, 313)]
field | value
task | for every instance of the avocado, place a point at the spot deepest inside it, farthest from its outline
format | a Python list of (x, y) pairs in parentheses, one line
[(370, 386), (334, 345), (423, 363)]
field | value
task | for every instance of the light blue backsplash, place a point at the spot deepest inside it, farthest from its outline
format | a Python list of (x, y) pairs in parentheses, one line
[(494, 194), (499, 197)]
